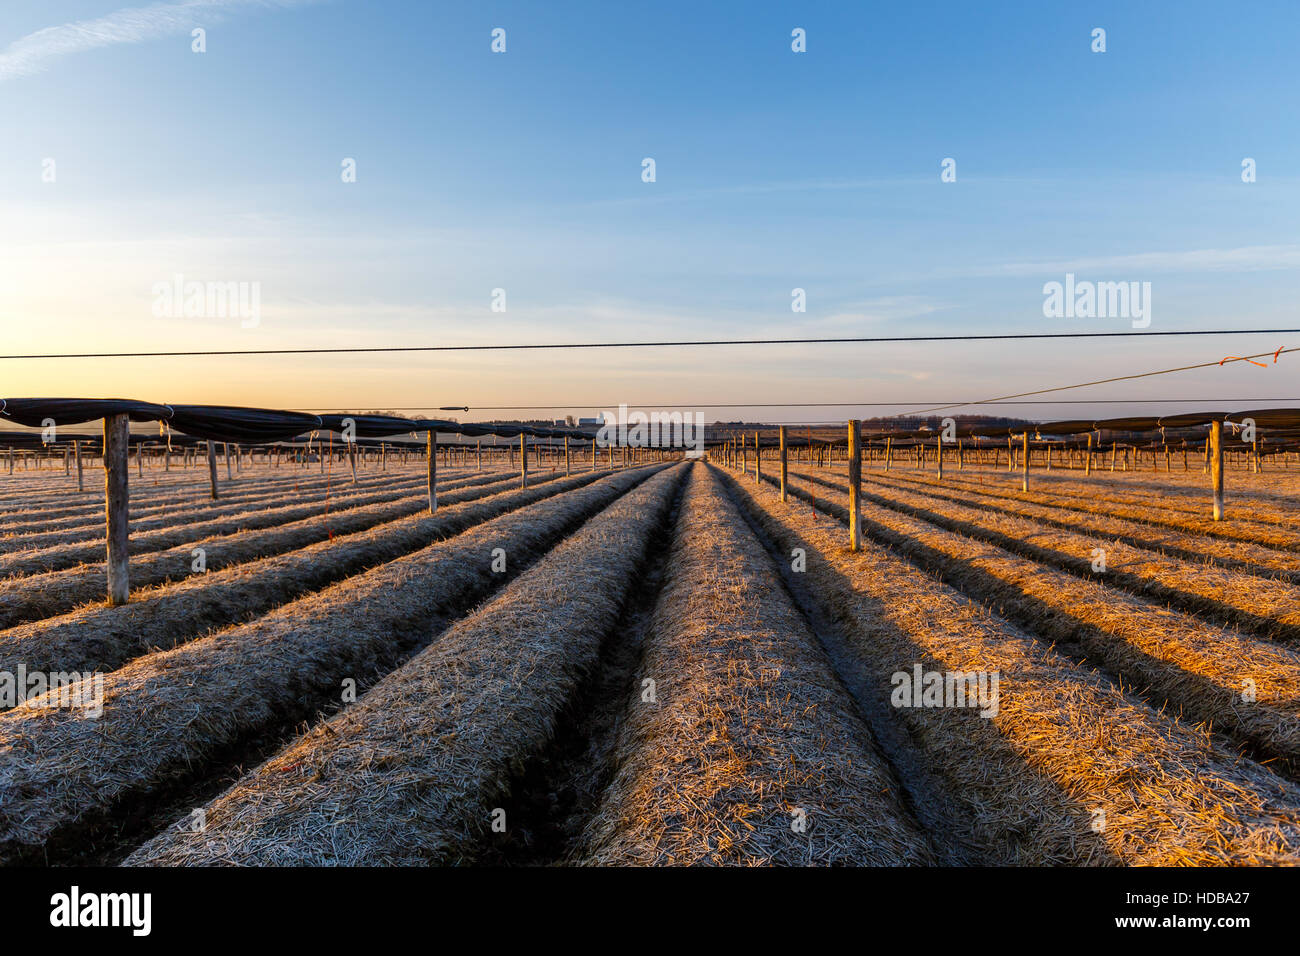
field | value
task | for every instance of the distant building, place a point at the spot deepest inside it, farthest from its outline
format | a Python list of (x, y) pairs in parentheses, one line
[(594, 422)]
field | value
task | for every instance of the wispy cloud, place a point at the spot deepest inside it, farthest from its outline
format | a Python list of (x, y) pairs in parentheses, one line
[(1243, 259), (33, 53)]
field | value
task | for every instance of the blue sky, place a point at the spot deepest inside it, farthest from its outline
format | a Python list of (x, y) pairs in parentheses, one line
[(775, 170)]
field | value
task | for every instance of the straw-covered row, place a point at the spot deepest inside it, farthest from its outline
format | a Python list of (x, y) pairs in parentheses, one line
[(1238, 529), (79, 550), (1244, 686), (101, 638), (1192, 546), (752, 753), (412, 773), (64, 775), (37, 542), (192, 505), (1174, 496), (39, 596), (1253, 558), (1262, 605), (1070, 770)]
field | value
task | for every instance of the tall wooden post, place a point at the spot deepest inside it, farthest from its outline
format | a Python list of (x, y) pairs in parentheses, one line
[(1024, 479), (117, 433), (523, 460), (568, 461), (431, 439), (785, 467), (76, 453), (212, 467), (352, 458), (1216, 466), (758, 460), (855, 488), (1087, 460), (889, 453), (938, 456), (479, 443)]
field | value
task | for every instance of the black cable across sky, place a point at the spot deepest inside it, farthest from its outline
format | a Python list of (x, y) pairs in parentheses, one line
[(658, 344)]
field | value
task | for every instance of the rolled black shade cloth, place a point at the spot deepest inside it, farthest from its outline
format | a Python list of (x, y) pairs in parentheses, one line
[(235, 424), (33, 412), (383, 426), (1190, 419), (1270, 417)]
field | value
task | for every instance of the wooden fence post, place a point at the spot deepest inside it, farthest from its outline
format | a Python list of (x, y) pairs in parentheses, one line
[(938, 456), (1087, 459), (212, 467), (117, 434), (1024, 479), (76, 453), (1216, 466), (785, 467), (523, 460), (855, 487), (431, 439), (568, 461)]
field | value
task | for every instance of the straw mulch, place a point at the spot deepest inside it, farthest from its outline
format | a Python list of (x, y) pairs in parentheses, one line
[(167, 716), (412, 773), (1264, 533), (102, 638), (146, 509), (1065, 742), (44, 545), (1251, 558), (1198, 668), (1198, 548), (187, 532), (1262, 605), (40, 596), (751, 728)]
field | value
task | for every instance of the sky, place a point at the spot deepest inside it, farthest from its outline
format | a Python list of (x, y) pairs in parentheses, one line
[(130, 159)]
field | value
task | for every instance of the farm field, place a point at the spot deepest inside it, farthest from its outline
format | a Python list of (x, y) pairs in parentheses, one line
[(663, 664)]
